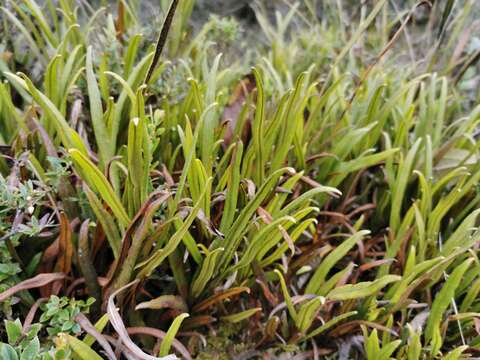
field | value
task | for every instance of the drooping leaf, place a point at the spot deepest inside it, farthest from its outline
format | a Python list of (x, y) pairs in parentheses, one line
[(97, 181), (362, 289), (327, 264)]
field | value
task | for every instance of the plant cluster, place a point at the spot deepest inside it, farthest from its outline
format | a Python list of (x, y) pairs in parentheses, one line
[(299, 196)]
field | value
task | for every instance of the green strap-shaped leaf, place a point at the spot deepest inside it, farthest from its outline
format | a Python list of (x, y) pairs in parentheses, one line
[(235, 318), (160, 255), (107, 221), (258, 128), (334, 279), (8, 108), (462, 237), (134, 80), (42, 22), (164, 302), (397, 290), (329, 324), (25, 32), (363, 162), (170, 336), (96, 112), (329, 262), (285, 245), (63, 129), (388, 349), (361, 290), (139, 158), (456, 353), (97, 181), (130, 54), (82, 350), (293, 115), (52, 90), (308, 313), (371, 343), (293, 205), (414, 347), (89, 340), (400, 185), (234, 235), (443, 300), (207, 136), (445, 15), (287, 298), (207, 270), (232, 189), (259, 240)]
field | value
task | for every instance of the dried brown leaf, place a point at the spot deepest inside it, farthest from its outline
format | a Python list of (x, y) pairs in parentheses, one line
[(35, 282), (219, 297), (177, 345), (119, 326), (65, 253), (86, 325)]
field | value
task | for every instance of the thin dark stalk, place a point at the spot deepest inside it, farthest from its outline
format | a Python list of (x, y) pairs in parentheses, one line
[(475, 57), (162, 39), (447, 10)]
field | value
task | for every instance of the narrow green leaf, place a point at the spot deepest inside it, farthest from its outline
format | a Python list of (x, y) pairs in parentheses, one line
[(160, 255), (258, 126), (362, 289), (89, 340), (83, 351), (318, 278), (456, 353), (400, 185), (170, 336), (63, 129), (164, 302), (107, 221), (329, 324), (287, 298), (96, 111), (235, 318), (308, 313), (233, 184), (443, 299), (97, 181), (207, 270), (130, 54)]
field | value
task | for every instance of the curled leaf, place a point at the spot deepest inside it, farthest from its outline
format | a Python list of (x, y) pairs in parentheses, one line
[(35, 282), (119, 326), (164, 301), (83, 321)]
